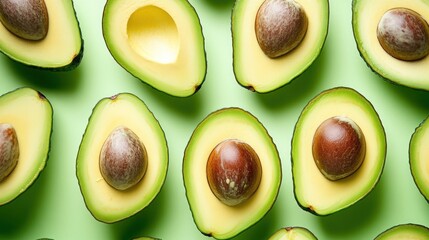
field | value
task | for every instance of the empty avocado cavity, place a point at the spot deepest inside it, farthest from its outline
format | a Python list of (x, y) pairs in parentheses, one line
[(153, 34), (27, 19)]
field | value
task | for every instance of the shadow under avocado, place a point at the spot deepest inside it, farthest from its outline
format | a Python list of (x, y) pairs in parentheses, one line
[(298, 88), (20, 212), (142, 223), (67, 81), (221, 4), (351, 221)]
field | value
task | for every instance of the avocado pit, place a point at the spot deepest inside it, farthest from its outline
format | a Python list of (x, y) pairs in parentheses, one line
[(233, 171), (9, 150), (338, 147), (404, 34), (123, 159), (27, 19), (280, 26)]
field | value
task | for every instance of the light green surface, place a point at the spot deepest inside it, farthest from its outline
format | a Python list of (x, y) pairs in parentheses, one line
[(53, 207)]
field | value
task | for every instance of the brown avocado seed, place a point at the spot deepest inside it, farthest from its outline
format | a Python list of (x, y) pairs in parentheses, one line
[(9, 150), (233, 171), (27, 19), (123, 159), (338, 147), (404, 34), (280, 26)]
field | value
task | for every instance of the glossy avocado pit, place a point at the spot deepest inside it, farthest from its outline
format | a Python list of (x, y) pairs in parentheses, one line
[(404, 34), (280, 26), (9, 150), (123, 159), (27, 19), (338, 147), (233, 172), (153, 34)]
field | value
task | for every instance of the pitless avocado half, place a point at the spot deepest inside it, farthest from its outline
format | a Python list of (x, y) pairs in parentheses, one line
[(41, 33), (159, 42)]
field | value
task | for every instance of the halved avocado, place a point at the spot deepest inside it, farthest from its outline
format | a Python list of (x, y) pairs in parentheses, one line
[(366, 17), (419, 156), (293, 233), (212, 217), (33, 135), (405, 232), (256, 71), (61, 49), (106, 203), (313, 191), (159, 42)]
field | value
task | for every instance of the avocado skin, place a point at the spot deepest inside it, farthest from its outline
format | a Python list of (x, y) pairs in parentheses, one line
[(310, 209), (45, 160), (69, 67)]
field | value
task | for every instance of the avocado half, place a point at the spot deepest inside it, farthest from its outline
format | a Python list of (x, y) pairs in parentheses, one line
[(257, 72), (365, 18), (61, 49), (159, 42), (313, 191), (418, 157), (104, 202), (405, 232), (292, 233), (212, 217), (33, 134)]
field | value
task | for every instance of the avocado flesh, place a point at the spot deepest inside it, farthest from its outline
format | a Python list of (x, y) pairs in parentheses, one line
[(212, 217), (105, 202), (33, 134), (366, 16), (418, 157), (61, 49), (313, 191), (159, 42), (293, 233), (405, 231), (257, 72)]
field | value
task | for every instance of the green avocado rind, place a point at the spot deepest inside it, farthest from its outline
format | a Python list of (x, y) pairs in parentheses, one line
[(44, 142), (74, 63), (415, 147), (139, 72), (405, 231), (390, 75), (241, 79), (350, 95), (198, 135), (293, 232), (163, 158)]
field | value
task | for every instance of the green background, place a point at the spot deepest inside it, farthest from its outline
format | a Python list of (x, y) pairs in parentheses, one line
[(53, 207)]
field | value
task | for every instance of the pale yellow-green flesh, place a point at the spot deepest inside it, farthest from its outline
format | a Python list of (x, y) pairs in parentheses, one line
[(160, 42), (253, 68), (212, 216), (31, 116), (419, 158), (405, 232), (296, 233), (312, 189), (366, 16), (106, 203), (57, 49)]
